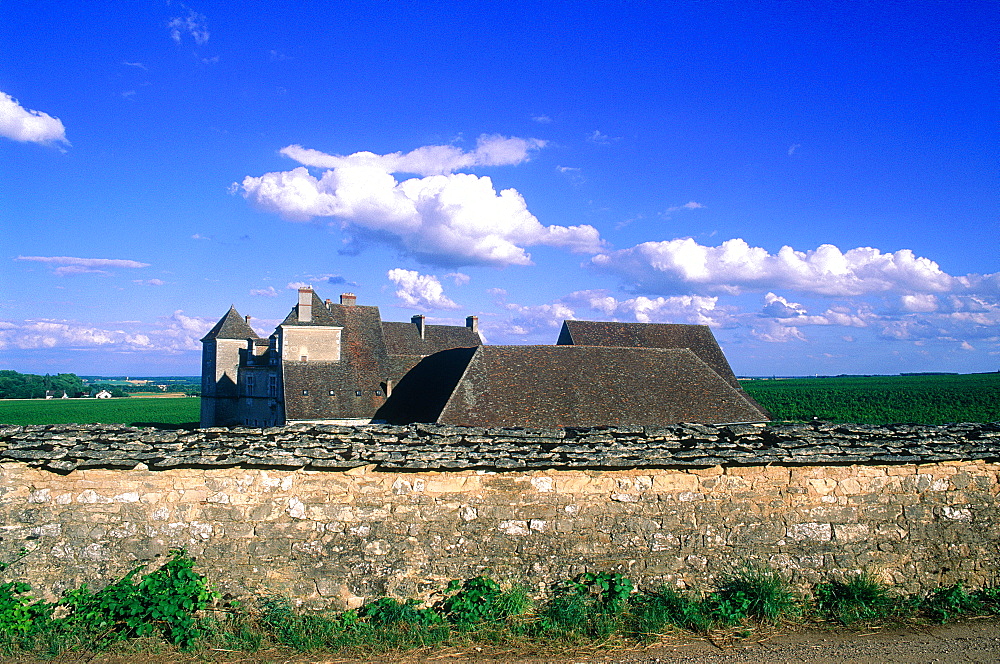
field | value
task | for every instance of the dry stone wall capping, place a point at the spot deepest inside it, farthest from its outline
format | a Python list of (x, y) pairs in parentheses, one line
[(336, 515)]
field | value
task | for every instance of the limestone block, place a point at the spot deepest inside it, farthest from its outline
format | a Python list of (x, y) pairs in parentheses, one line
[(812, 531), (674, 482)]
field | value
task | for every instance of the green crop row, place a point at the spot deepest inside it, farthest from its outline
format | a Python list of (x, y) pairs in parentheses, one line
[(926, 399), (171, 413)]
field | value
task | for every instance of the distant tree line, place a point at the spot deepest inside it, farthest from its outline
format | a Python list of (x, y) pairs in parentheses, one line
[(14, 385)]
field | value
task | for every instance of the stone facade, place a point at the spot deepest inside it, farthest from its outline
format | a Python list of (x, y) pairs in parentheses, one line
[(335, 516)]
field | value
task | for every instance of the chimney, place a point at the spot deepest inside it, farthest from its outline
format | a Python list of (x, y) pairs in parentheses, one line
[(348, 299), (418, 320), (305, 305), (247, 318), (472, 322), (329, 304)]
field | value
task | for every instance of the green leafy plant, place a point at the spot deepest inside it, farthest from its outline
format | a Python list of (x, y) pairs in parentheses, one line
[(944, 604), (989, 596), (390, 611), (859, 598), (20, 615), (481, 599), (164, 601), (590, 604)]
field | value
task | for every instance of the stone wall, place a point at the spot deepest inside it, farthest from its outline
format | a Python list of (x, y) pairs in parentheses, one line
[(335, 515)]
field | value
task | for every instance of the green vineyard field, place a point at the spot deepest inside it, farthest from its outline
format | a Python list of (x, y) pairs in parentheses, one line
[(164, 413), (918, 399)]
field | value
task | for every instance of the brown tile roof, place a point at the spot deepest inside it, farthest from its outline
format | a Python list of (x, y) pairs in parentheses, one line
[(563, 386), (320, 314), (698, 338), (372, 354), (308, 387), (423, 391), (231, 326), (404, 338)]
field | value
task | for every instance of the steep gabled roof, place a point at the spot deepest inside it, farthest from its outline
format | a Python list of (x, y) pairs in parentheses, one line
[(320, 314), (404, 338), (559, 386), (698, 338), (231, 326)]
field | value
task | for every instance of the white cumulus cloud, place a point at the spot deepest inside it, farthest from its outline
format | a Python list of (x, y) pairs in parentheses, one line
[(420, 291), (170, 334), (683, 265), (443, 217), (28, 126), (690, 309)]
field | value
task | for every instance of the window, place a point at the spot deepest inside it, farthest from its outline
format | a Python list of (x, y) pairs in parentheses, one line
[(378, 393), (357, 393), (272, 386), (250, 385), (305, 393)]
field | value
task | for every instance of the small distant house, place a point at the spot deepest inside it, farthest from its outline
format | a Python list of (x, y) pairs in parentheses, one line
[(54, 394), (103, 394), (341, 363)]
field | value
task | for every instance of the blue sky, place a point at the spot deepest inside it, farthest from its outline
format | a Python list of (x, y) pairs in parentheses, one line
[(816, 181)]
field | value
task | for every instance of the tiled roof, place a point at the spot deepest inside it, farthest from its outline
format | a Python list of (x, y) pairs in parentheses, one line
[(372, 354), (231, 326), (698, 338), (404, 338), (560, 386), (308, 387), (422, 392), (320, 314)]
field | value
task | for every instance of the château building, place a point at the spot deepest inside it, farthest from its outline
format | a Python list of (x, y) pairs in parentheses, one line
[(342, 364)]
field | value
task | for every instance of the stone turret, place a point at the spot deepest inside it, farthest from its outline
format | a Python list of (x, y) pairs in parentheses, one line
[(220, 358)]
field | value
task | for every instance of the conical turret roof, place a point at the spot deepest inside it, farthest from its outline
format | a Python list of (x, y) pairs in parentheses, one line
[(231, 326)]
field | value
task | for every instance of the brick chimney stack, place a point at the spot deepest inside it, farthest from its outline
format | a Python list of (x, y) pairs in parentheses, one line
[(305, 304), (348, 299), (472, 322), (418, 320)]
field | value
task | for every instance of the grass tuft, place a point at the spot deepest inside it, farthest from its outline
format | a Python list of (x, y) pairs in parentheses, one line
[(861, 597)]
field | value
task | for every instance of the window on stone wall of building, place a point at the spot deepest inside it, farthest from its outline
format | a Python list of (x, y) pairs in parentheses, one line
[(250, 385), (272, 386)]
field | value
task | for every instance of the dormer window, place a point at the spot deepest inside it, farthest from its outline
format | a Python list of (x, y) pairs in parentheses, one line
[(357, 393), (305, 393)]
